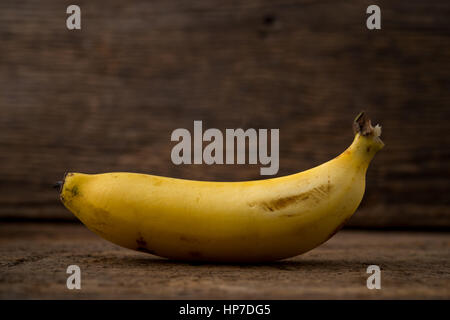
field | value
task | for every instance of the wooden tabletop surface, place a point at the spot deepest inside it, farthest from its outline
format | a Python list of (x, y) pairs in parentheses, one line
[(34, 258)]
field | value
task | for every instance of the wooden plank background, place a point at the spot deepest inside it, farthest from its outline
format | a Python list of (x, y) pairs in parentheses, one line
[(107, 98)]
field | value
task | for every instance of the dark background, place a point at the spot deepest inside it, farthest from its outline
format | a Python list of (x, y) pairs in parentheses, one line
[(107, 97)]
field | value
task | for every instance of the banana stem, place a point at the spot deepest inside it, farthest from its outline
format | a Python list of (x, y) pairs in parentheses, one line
[(363, 126)]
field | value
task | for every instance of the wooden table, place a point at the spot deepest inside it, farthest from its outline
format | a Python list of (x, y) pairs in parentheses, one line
[(34, 258)]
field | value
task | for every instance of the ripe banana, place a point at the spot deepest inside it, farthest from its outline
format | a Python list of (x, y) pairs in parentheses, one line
[(250, 221)]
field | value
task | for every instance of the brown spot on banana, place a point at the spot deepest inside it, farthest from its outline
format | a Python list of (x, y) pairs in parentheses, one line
[(141, 242), (317, 194), (287, 215), (75, 191), (142, 245)]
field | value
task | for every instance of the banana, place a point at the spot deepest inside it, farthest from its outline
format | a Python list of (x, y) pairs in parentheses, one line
[(250, 221)]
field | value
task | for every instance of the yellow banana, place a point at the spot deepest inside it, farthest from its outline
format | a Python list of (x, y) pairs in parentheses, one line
[(250, 221)]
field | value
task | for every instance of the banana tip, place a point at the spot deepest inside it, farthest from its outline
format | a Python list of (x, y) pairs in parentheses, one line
[(58, 185)]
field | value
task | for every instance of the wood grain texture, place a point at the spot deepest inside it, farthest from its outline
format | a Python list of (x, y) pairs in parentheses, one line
[(34, 260), (107, 98)]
